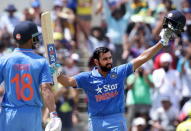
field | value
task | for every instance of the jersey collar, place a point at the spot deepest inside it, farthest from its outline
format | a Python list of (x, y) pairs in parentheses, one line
[(96, 73), (23, 50)]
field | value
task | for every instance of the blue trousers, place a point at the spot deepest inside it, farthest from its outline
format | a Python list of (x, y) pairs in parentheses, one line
[(25, 118), (115, 122)]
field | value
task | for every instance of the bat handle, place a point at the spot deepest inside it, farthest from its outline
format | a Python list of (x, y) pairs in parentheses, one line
[(54, 73), (55, 78)]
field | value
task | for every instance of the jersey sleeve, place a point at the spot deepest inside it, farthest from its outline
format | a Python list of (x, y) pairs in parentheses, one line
[(126, 69), (82, 79), (1, 70), (45, 76)]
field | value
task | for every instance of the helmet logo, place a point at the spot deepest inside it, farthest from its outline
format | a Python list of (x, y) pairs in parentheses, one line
[(18, 36), (170, 15)]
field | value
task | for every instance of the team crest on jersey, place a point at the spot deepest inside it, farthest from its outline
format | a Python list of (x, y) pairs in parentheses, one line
[(113, 75)]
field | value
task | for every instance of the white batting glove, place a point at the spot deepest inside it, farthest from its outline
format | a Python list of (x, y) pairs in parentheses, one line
[(165, 35), (55, 123)]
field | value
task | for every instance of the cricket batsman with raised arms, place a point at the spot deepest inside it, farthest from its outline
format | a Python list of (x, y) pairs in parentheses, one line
[(104, 85)]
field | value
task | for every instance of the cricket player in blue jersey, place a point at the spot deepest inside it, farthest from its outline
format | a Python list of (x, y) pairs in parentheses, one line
[(26, 76), (104, 86)]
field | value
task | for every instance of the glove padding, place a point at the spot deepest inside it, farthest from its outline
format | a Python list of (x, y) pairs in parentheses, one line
[(165, 35), (54, 124)]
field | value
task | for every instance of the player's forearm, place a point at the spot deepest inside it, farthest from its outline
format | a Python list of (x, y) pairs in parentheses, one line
[(146, 55), (66, 81), (48, 98)]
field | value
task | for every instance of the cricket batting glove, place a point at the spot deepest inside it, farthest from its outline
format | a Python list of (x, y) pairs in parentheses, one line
[(55, 123), (165, 35), (54, 69)]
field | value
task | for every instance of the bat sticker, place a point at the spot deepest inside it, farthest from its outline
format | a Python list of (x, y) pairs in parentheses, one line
[(51, 54)]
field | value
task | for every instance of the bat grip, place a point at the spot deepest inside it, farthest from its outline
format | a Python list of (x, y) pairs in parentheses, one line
[(54, 74)]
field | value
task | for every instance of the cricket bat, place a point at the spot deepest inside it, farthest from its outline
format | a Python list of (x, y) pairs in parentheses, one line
[(47, 33)]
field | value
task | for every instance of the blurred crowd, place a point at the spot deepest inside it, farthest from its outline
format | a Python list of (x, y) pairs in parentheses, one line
[(158, 94)]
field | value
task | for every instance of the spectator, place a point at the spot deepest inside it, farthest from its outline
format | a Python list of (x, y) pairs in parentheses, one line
[(97, 38), (153, 5), (168, 4), (186, 38), (116, 21), (8, 43), (57, 8), (185, 125), (58, 37), (139, 97), (139, 124), (139, 38), (159, 14), (66, 106), (138, 6), (72, 4), (185, 110), (167, 82), (84, 14), (28, 14), (165, 117), (8, 21), (70, 67), (158, 64), (36, 6), (184, 67), (185, 4), (66, 25)]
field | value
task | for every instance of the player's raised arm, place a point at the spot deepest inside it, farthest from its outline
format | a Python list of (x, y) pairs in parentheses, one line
[(149, 53), (173, 23)]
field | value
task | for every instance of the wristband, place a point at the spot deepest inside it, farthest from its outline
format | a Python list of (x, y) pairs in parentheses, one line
[(53, 114)]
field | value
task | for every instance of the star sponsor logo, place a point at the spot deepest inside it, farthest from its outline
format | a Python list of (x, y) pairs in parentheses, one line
[(99, 90), (105, 92), (106, 88)]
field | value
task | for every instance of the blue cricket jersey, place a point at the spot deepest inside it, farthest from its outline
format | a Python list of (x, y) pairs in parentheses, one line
[(105, 94), (23, 72)]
